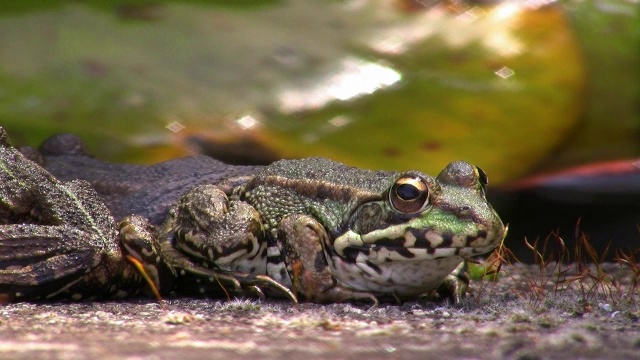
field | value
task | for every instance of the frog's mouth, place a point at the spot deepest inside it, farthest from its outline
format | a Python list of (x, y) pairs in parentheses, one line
[(384, 253), (405, 243)]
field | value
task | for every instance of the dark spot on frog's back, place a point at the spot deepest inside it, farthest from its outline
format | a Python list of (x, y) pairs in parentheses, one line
[(324, 191)]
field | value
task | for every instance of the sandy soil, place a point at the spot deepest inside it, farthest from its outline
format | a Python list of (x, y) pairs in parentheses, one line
[(492, 324)]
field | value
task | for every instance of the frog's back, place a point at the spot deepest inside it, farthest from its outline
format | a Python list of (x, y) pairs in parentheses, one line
[(147, 190), (321, 170), (322, 188)]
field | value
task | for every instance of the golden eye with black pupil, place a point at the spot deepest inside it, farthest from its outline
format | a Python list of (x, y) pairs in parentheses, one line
[(409, 195)]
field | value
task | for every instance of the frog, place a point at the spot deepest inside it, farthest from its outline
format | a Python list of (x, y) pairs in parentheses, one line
[(59, 240), (311, 229)]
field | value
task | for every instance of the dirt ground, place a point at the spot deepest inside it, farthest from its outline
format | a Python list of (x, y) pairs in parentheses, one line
[(493, 324)]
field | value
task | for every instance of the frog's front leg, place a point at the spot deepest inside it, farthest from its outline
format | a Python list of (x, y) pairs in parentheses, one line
[(215, 232), (141, 248), (455, 285), (302, 239)]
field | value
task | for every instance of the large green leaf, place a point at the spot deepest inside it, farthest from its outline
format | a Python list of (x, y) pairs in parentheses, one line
[(608, 32), (371, 83)]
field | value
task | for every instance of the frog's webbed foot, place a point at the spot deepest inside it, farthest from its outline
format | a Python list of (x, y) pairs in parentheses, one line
[(455, 285), (342, 294), (198, 280)]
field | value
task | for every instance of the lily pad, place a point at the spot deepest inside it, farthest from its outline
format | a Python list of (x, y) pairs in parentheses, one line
[(372, 83), (608, 32)]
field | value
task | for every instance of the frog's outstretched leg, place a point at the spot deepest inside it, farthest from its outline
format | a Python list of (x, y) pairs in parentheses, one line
[(48, 240), (34, 263), (206, 226), (301, 240)]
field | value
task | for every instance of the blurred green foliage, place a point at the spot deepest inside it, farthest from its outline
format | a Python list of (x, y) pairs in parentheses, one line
[(66, 66)]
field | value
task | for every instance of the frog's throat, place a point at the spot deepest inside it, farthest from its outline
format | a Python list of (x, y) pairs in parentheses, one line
[(416, 240)]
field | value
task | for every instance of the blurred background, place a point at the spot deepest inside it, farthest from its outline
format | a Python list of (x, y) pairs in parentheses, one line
[(543, 95)]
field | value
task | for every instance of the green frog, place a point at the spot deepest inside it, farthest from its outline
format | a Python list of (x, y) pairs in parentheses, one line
[(311, 228)]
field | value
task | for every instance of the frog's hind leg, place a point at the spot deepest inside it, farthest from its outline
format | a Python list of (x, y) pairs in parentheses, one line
[(55, 238)]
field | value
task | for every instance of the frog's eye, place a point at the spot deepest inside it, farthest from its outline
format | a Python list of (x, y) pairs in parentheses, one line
[(482, 177), (410, 194)]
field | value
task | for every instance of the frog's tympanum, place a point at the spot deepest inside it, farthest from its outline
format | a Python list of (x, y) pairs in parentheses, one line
[(311, 228)]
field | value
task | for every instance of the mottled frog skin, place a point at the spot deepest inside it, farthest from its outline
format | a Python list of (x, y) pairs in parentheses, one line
[(312, 228)]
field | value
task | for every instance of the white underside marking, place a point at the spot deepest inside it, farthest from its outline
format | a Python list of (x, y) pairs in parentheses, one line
[(434, 239), (255, 266), (400, 278), (409, 239), (278, 272), (394, 272), (273, 251), (239, 261)]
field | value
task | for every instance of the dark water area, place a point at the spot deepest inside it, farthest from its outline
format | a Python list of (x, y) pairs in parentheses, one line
[(611, 225)]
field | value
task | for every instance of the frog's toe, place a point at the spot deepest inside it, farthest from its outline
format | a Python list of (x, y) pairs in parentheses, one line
[(143, 250), (217, 283), (207, 282), (338, 294), (254, 292), (264, 282)]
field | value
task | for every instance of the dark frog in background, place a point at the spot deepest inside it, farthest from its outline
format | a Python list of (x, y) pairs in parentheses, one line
[(310, 228)]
